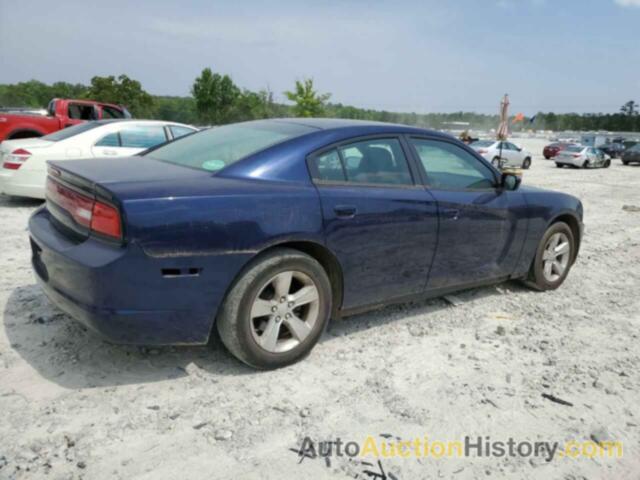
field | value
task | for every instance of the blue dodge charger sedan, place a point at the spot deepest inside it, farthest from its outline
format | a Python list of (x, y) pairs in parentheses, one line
[(265, 230)]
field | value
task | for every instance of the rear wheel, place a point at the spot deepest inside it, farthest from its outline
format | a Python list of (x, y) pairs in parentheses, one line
[(526, 163), (607, 163), (277, 310), (585, 164), (625, 163), (559, 165), (553, 259), (496, 162)]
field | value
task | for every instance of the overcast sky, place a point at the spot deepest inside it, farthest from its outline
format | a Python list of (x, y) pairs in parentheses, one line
[(423, 56)]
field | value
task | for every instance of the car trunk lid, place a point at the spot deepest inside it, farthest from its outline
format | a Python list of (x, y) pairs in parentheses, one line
[(80, 193)]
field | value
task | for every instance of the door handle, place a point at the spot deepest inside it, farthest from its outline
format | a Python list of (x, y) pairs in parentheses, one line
[(110, 152), (451, 213), (345, 211)]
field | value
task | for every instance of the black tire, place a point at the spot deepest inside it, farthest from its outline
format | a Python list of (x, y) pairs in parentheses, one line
[(559, 165), (546, 157), (536, 278), (496, 162), (625, 163), (585, 164), (607, 163), (234, 320), (526, 163)]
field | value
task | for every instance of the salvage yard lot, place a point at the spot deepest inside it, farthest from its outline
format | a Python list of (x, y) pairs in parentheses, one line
[(73, 406)]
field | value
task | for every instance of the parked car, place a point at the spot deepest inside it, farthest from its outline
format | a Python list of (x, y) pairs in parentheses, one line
[(24, 169), (582, 157), (551, 150), (61, 113), (632, 155), (266, 229), (503, 154), (614, 150)]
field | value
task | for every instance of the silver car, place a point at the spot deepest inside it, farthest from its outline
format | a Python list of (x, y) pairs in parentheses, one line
[(580, 156)]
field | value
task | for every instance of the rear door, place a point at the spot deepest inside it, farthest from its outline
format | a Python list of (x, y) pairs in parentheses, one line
[(378, 220), (129, 140), (481, 233)]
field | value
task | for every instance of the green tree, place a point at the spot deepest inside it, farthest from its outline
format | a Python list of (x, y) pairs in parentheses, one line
[(630, 108), (308, 103), (122, 91), (215, 97)]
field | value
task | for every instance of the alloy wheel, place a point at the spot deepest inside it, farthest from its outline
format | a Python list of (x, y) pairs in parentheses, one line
[(556, 256), (285, 311)]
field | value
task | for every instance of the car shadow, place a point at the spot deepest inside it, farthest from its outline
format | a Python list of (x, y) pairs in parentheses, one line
[(19, 202), (66, 353)]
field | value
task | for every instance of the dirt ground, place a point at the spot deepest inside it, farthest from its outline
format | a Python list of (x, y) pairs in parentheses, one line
[(73, 406)]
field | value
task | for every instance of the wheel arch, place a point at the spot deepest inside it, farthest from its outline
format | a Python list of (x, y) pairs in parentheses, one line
[(325, 257), (24, 133), (574, 224)]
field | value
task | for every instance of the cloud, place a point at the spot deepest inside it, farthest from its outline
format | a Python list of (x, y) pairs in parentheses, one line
[(628, 3)]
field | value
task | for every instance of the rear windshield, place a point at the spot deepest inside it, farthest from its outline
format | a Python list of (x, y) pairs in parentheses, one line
[(218, 147), (574, 148), (70, 131), (483, 143)]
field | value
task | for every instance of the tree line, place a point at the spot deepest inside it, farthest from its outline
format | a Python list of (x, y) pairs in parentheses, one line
[(215, 99)]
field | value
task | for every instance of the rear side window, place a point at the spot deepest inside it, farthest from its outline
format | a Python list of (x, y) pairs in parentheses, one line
[(375, 161), (178, 131), (110, 140), (79, 111), (450, 167), (329, 167), (379, 161), (110, 112), (142, 137)]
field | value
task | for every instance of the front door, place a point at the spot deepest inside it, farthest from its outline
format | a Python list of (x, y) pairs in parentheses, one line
[(480, 234), (380, 223)]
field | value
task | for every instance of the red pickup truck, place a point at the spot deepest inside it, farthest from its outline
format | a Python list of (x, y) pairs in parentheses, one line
[(61, 113)]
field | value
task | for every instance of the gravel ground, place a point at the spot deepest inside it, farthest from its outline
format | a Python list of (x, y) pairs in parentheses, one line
[(74, 406)]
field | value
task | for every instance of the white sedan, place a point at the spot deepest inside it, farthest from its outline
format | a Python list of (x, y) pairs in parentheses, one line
[(505, 155), (24, 169), (582, 157)]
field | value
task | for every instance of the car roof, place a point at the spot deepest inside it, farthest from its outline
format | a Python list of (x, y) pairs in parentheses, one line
[(110, 121), (355, 126)]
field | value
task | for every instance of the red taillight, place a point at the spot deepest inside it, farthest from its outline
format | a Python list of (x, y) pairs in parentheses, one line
[(86, 211), (15, 159), (106, 220), (482, 151)]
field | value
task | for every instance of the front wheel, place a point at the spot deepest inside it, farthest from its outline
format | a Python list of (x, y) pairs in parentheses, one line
[(559, 165), (527, 163), (554, 258), (277, 310), (625, 163), (607, 163)]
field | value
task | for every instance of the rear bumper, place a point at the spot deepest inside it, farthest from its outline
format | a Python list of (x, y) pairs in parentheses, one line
[(120, 292), (21, 183)]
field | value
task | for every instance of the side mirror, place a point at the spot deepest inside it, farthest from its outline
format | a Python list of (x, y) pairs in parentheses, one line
[(509, 181)]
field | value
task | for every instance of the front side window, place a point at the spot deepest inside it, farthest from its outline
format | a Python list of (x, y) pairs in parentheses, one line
[(450, 167), (142, 137), (376, 161)]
